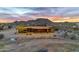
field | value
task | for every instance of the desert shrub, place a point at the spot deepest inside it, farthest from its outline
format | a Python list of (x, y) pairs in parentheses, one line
[(9, 27), (1, 45), (1, 36), (56, 29), (73, 38)]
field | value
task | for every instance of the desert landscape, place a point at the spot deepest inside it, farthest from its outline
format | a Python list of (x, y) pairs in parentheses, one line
[(59, 40), (39, 29)]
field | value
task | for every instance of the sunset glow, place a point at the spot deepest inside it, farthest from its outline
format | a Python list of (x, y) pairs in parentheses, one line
[(55, 14)]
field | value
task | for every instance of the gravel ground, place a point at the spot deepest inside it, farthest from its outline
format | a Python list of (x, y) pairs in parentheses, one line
[(31, 43)]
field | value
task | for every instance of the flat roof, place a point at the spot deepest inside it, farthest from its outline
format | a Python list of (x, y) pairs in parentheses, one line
[(38, 27)]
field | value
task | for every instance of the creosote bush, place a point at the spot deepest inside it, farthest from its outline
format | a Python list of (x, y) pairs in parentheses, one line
[(1, 36)]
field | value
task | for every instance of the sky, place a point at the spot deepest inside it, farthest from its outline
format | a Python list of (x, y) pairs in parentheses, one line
[(25, 13), (50, 11)]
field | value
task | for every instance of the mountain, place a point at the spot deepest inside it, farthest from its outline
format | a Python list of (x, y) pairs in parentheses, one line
[(40, 22), (37, 22)]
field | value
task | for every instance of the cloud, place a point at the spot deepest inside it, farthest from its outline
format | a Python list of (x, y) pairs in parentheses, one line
[(6, 12), (53, 11)]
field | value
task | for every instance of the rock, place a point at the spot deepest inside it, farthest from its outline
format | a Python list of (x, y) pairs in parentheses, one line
[(43, 50), (11, 40)]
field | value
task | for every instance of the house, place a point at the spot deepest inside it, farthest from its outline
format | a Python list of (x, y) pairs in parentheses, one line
[(34, 29)]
